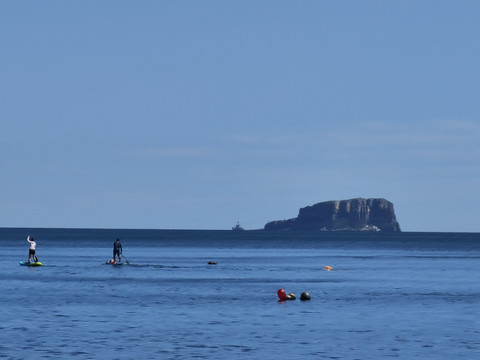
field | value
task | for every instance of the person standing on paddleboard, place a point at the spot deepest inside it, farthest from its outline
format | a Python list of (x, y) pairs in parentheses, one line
[(117, 250), (31, 251)]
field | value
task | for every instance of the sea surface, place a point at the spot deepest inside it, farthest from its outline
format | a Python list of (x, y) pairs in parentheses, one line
[(401, 295)]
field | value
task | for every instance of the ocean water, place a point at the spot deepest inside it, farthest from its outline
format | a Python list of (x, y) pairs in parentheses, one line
[(405, 295)]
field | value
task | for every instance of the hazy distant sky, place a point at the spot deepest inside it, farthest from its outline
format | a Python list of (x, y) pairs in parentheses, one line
[(199, 114)]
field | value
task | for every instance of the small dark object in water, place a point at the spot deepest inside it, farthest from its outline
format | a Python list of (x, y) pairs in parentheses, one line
[(305, 296), (212, 262), (282, 295)]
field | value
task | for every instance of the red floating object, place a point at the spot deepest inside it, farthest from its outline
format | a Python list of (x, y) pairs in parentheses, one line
[(282, 295)]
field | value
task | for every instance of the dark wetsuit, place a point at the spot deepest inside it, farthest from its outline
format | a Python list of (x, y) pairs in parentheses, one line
[(117, 248)]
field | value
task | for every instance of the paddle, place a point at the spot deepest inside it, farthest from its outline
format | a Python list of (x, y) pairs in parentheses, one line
[(126, 260)]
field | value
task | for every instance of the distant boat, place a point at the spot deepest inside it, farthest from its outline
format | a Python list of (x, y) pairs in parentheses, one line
[(237, 227)]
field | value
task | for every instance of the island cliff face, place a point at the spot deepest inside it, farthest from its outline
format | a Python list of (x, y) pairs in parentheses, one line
[(347, 215)]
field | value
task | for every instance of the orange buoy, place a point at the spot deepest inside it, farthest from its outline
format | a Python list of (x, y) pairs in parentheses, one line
[(328, 268)]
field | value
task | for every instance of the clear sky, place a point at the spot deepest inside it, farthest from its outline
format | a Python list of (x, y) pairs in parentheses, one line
[(198, 114)]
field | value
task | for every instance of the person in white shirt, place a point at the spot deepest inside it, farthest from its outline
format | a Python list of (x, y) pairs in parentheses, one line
[(31, 251)]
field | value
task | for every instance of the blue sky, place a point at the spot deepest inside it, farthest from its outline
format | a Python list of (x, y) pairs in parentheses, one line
[(199, 114)]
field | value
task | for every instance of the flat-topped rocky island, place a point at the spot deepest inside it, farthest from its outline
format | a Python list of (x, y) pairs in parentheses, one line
[(375, 214)]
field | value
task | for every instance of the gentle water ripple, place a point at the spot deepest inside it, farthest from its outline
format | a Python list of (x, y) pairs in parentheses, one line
[(389, 296)]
